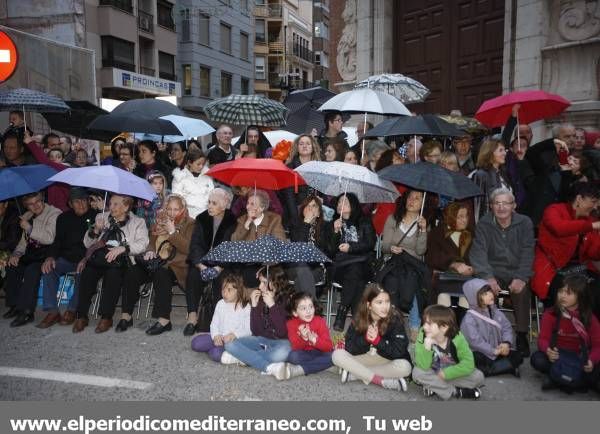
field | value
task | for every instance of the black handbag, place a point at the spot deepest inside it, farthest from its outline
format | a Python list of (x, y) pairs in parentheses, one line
[(151, 265), (98, 259), (207, 308)]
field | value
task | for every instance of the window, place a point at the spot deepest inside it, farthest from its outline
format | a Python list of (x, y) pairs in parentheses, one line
[(204, 29), (244, 86), (259, 29), (118, 53), (321, 30), (165, 14), (166, 66), (322, 59), (225, 38), (243, 45), (259, 68), (187, 79), (205, 81), (244, 7), (185, 25), (225, 84)]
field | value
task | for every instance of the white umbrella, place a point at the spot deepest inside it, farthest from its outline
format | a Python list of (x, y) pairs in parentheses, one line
[(400, 86), (365, 101), (189, 127), (274, 137), (335, 178)]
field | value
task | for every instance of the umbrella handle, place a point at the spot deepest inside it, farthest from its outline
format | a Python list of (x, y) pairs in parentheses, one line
[(423, 203), (518, 135)]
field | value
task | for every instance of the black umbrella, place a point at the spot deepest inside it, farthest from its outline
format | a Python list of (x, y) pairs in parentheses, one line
[(148, 107), (424, 125), (134, 122), (267, 249), (303, 104), (76, 120), (433, 178)]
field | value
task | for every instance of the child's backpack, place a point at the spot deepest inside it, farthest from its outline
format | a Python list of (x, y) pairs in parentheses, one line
[(568, 369)]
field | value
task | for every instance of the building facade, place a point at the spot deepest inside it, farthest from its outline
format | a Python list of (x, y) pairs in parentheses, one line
[(215, 54), (284, 55)]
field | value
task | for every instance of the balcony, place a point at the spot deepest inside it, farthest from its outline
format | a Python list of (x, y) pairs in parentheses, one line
[(112, 63), (145, 21), (301, 52), (124, 5), (275, 45), (167, 76), (147, 71)]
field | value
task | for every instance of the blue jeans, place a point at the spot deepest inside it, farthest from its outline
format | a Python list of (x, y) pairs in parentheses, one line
[(312, 361), (259, 352), (51, 285), (414, 316)]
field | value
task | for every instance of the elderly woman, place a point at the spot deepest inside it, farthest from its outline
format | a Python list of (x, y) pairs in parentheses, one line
[(113, 242), (568, 239), (257, 221), (169, 244), (350, 239), (404, 242), (212, 227), (448, 248)]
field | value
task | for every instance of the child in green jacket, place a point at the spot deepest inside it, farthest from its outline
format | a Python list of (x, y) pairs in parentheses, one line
[(444, 363)]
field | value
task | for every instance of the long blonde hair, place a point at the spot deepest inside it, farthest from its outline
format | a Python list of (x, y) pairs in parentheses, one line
[(316, 149)]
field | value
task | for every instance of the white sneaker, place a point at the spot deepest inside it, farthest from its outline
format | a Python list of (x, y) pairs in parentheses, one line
[(228, 359), (294, 371), (344, 375), (394, 384), (278, 370)]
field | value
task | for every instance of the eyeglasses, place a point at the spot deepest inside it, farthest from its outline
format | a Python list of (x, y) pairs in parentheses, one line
[(502, 204)]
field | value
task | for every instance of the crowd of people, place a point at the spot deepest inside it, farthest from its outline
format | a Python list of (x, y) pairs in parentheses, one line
[(452, 268)]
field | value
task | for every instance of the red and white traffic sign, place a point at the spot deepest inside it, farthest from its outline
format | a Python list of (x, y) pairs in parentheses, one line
[(9, 56)]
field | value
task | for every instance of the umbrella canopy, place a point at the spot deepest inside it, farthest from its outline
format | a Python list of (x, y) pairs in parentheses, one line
[(360, 101), (303, 105), (107, 178), (134, 123), (247, 110), (274, 137), (76, 120), (465, 123), (433, 178), (404, 88), (147, 107), (266, 249), (189, 127), (335, 178), (426, 125), (160, 138), (17, 181), (314, 95), (535, 105), (31, 100), (264, 173)]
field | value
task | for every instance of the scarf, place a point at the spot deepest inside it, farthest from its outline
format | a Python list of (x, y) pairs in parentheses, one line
[(464, 241)]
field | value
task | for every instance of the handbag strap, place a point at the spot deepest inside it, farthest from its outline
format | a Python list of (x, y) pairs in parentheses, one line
[(485, 318), (407, 232)]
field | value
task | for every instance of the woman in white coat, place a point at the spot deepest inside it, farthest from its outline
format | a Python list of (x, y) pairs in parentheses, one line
[(191, 183)]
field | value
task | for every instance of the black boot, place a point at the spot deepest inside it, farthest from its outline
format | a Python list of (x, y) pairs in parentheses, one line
[(340, 318), (501, 366), (523, 344)]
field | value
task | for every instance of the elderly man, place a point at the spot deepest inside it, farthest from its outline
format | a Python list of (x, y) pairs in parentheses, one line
[(24, 265), (462, 149), (222, 151), (502, 253), (65, 253)]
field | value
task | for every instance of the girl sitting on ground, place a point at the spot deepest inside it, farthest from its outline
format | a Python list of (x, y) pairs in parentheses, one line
[(489, 332), (230, 321), (444, 363), (376, 348), (268, 348), (309, 337)]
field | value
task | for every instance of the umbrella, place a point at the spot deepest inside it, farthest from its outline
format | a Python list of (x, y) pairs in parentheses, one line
[(76, 120), (31, 100), (433, 178), (314, 95), (266, 249), (274, 137), (134, 122), (359, 101), (426, 125), (189, 127), (535, 105), (107, 178), (169, 138), (404, 88), (17, 181), (465, 123), (303, 105), (335, 178), (247, 110), (264, 173), (147, 107)]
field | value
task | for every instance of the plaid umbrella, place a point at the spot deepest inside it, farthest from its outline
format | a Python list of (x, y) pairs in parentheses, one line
[(404, 88), (31, 100), (247, 110)]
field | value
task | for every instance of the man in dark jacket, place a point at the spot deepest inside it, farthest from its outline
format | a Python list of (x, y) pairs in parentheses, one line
[(65, 252), (10, 233), (502, 254)]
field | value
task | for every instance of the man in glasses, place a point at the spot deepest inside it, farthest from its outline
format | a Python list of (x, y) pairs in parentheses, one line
[(502, 253)]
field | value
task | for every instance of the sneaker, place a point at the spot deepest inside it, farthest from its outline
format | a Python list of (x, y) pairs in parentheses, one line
[(294, 371), (278, 370), (467, 393), (344, 376), (228, 359), (393, 384), (428, 392), (403, 384)]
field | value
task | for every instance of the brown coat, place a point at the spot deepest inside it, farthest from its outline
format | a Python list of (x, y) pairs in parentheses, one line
[(441, 250), (181, 240), (270, 225)]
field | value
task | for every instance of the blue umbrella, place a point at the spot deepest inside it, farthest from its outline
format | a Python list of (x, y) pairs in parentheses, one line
[(108, 178), (31, 100), (267, 249), (17, 181)]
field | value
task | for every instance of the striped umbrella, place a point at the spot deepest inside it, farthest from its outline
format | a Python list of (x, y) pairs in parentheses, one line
[(247, 110), (404, 88)]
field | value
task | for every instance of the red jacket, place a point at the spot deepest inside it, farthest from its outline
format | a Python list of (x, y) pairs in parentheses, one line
[(317, 325), (567, 337), (58, 193), (557, 241)]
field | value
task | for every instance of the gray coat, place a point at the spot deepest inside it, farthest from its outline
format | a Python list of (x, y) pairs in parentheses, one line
[(504, 254), (481, 335)]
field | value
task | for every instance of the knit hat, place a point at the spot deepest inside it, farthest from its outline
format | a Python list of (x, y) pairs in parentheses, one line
[(78, 193)]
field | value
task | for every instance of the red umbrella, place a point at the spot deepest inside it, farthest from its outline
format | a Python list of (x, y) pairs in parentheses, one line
[(264, 173), (535, 105)]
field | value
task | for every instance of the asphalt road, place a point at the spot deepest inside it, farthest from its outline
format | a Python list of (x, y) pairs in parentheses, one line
[(134, 366)]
